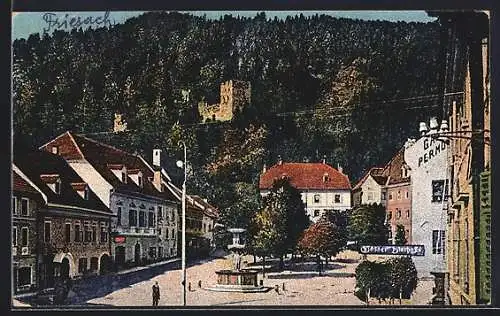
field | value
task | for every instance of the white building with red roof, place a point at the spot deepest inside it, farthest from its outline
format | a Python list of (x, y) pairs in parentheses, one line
[(322, 187)]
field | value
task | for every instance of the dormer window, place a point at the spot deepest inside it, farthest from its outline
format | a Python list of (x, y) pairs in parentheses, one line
[(124, 176), (55, 150), (82, 189), (53, 182), (136, 176), (325, 177), (120, 171), (57, 187)]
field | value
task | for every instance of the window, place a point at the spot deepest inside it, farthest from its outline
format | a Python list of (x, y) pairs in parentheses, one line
[(151, 219), (166, 233), (78, 232), (407, 213), (399, 195), (139, 180), (337, 198), (14, 205), (160, 212), (316, 213), (57, 187), (94, 232), (437, 190), (46, 232), (152, 252), (209, 227), (438, 241), (173, 234), (390, 234), (390, 196), (24, 276), (88, 232), (67, 232), (132, 218), (407, 195), (142, 219), (14, 236), (24, 206), (94, 263), (383, 197), (82, 265), (389, 215), (24, 237), (370, 196), (55, 150), (119, 216), (316, 198), (104, 233), (398, 213), (86, 193), (160, 252)]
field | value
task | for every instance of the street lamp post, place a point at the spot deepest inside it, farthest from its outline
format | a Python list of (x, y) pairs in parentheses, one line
[(182, 164)]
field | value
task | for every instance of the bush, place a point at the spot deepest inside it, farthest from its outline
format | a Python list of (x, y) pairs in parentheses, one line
[(395, 278)]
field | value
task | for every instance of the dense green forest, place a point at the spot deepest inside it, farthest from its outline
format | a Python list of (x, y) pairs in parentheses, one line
[(350, 90)]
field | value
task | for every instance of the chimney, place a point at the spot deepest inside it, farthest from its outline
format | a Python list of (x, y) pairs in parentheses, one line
[(264, 168), (157, 169), (324, 159), (156, 157), (280, 161), (339, 168)]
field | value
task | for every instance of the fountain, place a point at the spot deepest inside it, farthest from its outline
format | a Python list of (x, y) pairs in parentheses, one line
[(237, 279)]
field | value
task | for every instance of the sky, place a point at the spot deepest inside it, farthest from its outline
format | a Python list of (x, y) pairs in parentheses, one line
[(26, 23)]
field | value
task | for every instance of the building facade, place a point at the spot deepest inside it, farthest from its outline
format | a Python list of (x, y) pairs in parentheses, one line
[(427, 161), (134, 192), (322, 187), (26, 201), (398, 196), (72, 224), (370, 189), (469, 206)]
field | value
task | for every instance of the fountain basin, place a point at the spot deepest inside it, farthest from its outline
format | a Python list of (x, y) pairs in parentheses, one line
[(238, 281)]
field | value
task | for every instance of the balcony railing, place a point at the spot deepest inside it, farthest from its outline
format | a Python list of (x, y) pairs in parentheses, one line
[(136, 230)]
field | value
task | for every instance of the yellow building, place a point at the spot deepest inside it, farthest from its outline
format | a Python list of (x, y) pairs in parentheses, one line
[(468, 226)]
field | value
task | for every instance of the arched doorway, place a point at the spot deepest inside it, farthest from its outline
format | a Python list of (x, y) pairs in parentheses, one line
[(137, 253), (64, 269), (104, 264)]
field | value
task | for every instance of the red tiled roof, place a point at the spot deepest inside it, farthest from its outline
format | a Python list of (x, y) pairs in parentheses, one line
[(37, 163), (104, 157), (306, 176), (392, 169), (21, 185)]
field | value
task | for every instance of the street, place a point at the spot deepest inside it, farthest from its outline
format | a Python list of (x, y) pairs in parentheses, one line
[(333, 289)]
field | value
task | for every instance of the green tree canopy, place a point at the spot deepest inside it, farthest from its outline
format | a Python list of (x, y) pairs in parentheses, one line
[(400, 238), (367, 225)]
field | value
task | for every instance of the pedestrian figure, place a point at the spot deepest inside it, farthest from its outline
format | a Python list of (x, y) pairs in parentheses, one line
[(283, 287), (189, 286), (277, 289), (199, 284), (156, 293)]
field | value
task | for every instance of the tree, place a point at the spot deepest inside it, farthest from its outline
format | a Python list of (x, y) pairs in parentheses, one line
[(373, 279), (367, 225), (321, 239), (403, 277), (400, 238), (268, 228)]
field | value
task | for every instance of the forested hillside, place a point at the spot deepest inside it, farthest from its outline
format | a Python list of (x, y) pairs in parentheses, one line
[(321, 86)]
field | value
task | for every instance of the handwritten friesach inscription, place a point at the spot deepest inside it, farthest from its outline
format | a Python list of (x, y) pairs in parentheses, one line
[(410, 250), (58, 21)]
